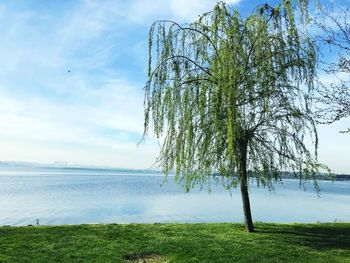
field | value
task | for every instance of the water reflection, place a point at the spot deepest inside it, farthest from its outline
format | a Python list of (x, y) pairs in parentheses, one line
[(73, 197)]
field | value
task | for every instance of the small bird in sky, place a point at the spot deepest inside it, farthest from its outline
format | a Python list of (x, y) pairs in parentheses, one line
[(68, 70)]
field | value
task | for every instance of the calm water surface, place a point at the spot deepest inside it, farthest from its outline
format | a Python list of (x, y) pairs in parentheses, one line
[(64, 196)]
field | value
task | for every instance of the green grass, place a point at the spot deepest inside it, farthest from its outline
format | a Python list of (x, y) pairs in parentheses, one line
[(177, 243)]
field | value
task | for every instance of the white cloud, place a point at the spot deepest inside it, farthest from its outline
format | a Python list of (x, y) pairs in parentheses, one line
[(179, 10), (94, 114), (41, 131), (90, 115), (188, 10), (116, 105)]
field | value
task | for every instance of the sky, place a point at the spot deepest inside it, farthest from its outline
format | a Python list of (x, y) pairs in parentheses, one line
[(72, 75)]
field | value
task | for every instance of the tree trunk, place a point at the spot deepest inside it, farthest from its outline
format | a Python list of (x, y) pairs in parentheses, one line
[(244, 188)]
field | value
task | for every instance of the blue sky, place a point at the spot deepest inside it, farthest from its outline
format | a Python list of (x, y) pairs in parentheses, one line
[(92, 115)]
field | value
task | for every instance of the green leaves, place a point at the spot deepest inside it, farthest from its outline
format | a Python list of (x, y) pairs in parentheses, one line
[(224, 79)]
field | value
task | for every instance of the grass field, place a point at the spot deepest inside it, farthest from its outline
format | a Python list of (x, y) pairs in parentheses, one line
[(177, 243)]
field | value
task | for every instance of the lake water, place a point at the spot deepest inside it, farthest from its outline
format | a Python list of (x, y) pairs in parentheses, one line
[(63, 196)]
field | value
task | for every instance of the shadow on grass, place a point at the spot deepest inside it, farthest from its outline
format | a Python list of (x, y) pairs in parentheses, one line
[(320, 237)]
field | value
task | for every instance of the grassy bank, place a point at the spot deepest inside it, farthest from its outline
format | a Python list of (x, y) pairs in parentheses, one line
[(177, 243)]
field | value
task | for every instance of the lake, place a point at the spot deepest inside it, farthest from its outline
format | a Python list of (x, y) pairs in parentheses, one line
[(79, 196)]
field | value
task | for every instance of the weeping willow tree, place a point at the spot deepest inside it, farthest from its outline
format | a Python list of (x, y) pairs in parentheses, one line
[(229, 98)]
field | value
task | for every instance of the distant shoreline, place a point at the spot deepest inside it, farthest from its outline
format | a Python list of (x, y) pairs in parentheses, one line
[(28, 165)]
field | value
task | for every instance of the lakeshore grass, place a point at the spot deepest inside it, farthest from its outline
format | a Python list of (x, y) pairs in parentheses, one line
[(217, 242)]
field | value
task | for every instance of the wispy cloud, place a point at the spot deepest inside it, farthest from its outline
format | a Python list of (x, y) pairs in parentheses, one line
[(72, 76), (65, 74), (59, 85), (179, 10)]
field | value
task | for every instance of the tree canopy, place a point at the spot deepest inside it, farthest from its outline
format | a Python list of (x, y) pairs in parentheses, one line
[(335, 34), (230, 96)]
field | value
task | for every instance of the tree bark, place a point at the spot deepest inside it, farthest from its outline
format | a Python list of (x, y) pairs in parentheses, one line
[(244, 188)]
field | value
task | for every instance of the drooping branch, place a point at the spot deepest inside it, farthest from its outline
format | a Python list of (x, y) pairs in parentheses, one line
[(222, 80), (334, 97)]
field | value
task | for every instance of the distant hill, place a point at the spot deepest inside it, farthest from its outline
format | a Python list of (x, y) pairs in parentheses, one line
[(67, 166), (342, 177), (322, 176)]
